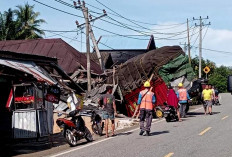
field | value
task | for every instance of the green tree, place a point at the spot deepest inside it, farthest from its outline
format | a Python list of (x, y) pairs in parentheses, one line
[(7, 25), (204, 63), (28, 23), (219, 78)]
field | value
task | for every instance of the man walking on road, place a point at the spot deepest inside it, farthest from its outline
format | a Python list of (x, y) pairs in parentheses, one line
[(107, 101), (146, 101), (183, 97), (207, 95)]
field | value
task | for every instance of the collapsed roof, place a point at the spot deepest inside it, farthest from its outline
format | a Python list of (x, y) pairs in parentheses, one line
[(68, 58), (40, 68), (135, 71)]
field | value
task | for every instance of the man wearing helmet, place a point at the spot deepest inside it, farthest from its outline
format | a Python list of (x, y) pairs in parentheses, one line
[(146, 101), (183, 97)]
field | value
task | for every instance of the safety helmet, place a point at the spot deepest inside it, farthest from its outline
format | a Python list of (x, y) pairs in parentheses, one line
[(147, 84), (180, 85)]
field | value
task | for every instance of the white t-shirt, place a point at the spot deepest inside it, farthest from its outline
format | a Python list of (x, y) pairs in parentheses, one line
[(73, 101)]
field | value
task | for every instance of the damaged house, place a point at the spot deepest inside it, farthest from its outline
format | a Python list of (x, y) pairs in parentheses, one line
[(167, 64), (30, 85)]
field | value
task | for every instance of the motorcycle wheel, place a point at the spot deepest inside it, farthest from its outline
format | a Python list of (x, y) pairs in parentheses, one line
[(70, 138), (97, 129), (88, 135), (177, 119), (168, 120), (159, 113)]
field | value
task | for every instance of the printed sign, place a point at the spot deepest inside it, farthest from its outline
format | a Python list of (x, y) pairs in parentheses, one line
[(53, 94)]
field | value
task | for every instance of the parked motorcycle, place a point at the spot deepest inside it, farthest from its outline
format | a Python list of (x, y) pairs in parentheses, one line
[(170, 113), (74, 129), (97, 125), (216, 101)]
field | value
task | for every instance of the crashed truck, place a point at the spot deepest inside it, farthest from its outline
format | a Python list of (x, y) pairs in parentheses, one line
[(165, 65)]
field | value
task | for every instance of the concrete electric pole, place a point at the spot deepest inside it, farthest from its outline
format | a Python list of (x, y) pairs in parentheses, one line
[(189, 54), (200, 41), (89, 31), (85, 11)]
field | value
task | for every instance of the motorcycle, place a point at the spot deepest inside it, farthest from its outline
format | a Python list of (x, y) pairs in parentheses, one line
[(170, 113), (216, 101), (74, 129), (97, 125)]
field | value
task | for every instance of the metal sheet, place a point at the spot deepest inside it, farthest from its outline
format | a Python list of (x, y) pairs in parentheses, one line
[(43, 123), (50, 119), (24, 124), (30, 68), (69, 58)]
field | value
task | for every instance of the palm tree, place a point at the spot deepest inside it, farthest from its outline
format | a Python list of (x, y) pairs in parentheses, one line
[(28, 22), (7, 25)]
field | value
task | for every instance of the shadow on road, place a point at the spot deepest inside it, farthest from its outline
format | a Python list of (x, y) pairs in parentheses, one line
[(158, 133), (14, 148), (194, 114), (124, 133)]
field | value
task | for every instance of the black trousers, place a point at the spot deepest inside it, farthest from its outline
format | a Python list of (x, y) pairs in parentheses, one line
[(145, 115)]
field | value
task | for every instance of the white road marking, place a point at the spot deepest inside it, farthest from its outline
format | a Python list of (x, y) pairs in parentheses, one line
[(93, 143), (169, 155), (225, 117)]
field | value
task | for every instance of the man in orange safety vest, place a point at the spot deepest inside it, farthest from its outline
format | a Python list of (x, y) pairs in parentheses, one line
[(146, 101), (183, 97)]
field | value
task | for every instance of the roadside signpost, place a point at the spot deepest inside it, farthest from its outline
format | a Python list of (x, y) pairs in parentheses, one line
[(206, 70)]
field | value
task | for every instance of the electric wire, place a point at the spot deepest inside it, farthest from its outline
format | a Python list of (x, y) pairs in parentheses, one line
[(123, 25), (132, 21), (205, 32), (57, 9)]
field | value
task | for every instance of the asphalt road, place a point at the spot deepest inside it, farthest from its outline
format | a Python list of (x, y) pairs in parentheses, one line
[(198, 135)]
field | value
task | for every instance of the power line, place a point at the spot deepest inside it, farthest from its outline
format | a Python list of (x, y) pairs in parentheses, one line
[(172, 25), (205, 32), (60, 31), (123, 25), (57, 9), (118, 34), (219, 51), (132, 21)]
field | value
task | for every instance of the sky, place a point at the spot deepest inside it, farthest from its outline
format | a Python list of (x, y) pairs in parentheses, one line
[(166, 20)]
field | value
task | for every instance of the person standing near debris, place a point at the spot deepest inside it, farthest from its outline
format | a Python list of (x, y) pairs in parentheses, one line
[(146, 100), (107, 101), (183, 97), (173, 100), (207, 95), (213, 97)]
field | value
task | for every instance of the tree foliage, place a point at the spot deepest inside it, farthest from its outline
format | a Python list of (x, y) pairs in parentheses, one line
[(7, 25), (219, 78), (21, 23), (217, 75)]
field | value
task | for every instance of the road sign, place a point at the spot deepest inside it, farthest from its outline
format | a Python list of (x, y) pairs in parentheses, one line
[(206, 69)]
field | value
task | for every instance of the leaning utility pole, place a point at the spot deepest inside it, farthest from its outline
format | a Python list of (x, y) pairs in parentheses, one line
[(189, 54), (85, 13), (95, 44), (200, 41)]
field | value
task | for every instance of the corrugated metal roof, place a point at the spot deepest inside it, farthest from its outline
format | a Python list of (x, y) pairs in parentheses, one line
[(106, 57), (121, 56), (30, 68), (68, 58)]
